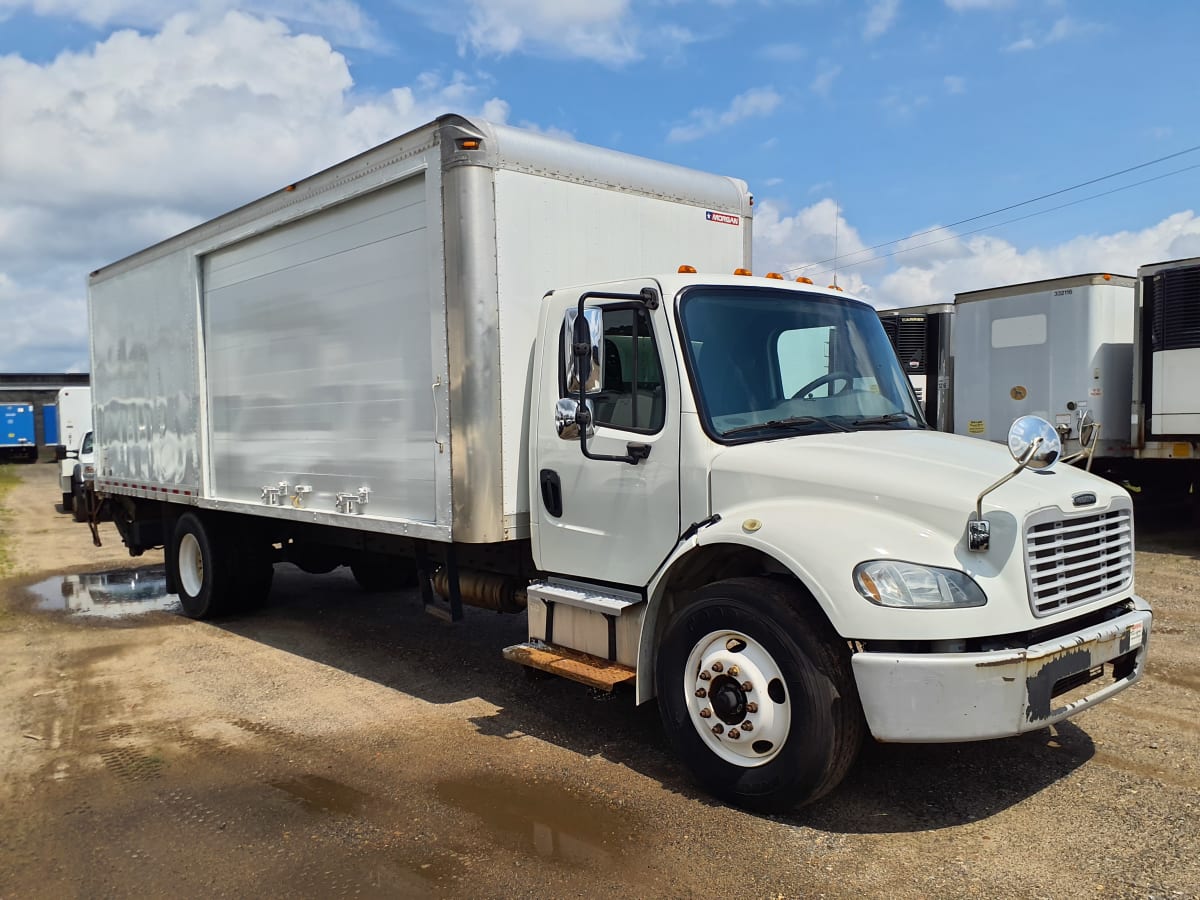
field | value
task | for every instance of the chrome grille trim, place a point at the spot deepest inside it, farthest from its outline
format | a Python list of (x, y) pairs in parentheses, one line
[(1072, 559)]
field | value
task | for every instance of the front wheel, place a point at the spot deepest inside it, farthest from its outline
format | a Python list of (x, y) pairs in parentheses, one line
[(757, 695)]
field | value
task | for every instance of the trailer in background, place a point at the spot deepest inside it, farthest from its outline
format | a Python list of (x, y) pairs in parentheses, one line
[(49, 425), (1061, 349), (18, 438), (922, 336), (1165, 421)]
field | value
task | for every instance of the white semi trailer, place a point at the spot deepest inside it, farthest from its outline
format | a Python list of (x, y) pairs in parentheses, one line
[(472, 358)]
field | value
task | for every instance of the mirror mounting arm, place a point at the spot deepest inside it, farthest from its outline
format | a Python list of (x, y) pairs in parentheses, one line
[(634, 453)]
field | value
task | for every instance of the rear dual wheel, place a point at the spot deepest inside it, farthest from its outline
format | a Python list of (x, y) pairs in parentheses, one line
[(214, 569), (757, 694)]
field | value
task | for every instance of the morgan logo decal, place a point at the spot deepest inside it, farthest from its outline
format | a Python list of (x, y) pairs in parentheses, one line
[(723, 218)]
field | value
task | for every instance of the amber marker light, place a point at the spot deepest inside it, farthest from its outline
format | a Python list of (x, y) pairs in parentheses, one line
[(468, 144), (773, 275), (1106, 277), (800, 279), (834, 287), (687, 270), (742, 272)]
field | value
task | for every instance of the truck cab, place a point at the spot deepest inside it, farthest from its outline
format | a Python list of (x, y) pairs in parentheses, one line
[(76, 475), (738, 499)]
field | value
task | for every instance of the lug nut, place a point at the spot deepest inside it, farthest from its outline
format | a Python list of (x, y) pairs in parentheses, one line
[(718, 667), (701, 692), (734, 734), (747, 686), (747, 725), (704, 676), (705, 713), (751, 707), (734, 671), (718, 728)]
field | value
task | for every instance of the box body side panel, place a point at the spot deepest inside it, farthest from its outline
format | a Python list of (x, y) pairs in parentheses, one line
[(145, 380), (322, 351)]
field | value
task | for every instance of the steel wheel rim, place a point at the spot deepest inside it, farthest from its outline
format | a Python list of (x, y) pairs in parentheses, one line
[(191, 565), (731, 682)]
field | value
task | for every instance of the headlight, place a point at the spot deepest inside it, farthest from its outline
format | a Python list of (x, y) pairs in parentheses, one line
[(89, 472), (889, 582)]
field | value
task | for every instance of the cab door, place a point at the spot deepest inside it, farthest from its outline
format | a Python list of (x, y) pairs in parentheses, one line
[(602, 519)]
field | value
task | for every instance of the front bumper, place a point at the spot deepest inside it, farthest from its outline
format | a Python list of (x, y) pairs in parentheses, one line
[(944, 697)]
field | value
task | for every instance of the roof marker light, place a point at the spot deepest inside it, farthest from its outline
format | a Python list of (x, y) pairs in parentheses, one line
[(802, 280), (742, 272), (687, 270), (468, 144), (773, 275), (1106, 277), (834, 287)]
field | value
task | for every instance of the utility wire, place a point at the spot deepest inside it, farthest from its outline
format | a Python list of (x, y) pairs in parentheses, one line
[(995, 212), (1039, 212)]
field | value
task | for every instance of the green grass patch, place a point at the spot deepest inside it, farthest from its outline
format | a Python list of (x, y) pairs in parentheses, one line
[(8, 478)]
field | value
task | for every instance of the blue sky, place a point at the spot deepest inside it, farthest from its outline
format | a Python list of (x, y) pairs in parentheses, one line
[(124, 121)]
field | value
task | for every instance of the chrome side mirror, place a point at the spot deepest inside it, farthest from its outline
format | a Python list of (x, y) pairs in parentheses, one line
[(566, 419), (583, 359), (1034, 442)]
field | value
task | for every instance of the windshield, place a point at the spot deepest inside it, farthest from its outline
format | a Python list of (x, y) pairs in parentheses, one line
[(770, 362)]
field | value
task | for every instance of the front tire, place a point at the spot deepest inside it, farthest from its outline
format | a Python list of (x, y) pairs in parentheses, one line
[(757, 695), (79, 503)]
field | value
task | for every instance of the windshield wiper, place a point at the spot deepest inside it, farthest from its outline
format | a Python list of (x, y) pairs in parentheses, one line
[(885, 419), (789, 422)]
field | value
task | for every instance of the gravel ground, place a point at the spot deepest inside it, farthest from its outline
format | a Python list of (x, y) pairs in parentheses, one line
[(343, 744)]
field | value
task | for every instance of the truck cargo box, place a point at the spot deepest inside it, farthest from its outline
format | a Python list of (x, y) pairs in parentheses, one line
[(354, 349)]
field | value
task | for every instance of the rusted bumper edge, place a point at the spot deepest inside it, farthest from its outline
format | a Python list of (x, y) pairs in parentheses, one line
[(946, 697)]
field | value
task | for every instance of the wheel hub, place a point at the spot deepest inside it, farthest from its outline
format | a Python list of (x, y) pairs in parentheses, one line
[(737, 698)]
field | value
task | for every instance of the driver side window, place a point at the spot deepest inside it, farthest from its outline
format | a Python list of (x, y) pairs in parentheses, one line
[(803, 356)]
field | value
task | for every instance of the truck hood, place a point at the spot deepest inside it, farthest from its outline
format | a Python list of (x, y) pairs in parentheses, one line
[(929, 477)]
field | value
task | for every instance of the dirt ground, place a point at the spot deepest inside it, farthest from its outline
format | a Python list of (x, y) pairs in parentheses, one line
[(342, 744)]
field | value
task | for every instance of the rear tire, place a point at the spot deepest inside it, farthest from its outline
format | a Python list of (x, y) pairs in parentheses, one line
[(204, 568), (79, 503), (762, 655)]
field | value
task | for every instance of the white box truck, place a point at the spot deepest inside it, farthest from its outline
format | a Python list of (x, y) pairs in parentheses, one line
[(74, 419), (474, 358)]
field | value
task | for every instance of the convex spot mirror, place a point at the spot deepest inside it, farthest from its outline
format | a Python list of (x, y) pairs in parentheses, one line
[(582, 343), (1025, 433), (566, 418)]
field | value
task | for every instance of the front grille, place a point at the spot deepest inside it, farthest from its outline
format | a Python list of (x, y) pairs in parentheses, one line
[(1073, 560)]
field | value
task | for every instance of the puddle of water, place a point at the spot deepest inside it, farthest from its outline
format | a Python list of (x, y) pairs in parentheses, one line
[(125, 592), (322, 795), (543, 818)]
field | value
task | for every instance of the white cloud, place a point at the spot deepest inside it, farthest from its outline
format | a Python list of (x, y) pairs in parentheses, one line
[(1063, 29), (110, 149), (822, 84), (983, 261), (792, 244), (342, 21), (955, 84), (881, 16), (600, 30), (754, 103)]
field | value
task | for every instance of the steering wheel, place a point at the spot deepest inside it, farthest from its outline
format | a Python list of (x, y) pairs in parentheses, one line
[(827, 378)]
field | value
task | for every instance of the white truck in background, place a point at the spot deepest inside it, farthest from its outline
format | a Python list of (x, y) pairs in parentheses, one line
[(474, 359)]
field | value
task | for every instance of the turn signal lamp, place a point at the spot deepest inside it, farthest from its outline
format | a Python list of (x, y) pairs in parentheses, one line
[(773, 275), (687, 270), (802, 280), (742, 272)]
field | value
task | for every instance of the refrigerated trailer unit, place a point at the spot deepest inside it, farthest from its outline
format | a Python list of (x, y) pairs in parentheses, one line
[(74, 419), (923, 337), (1166, 372), (483, 361), (1060, 348)]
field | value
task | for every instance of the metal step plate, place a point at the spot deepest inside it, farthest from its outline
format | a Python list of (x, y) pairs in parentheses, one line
[(573, 664)]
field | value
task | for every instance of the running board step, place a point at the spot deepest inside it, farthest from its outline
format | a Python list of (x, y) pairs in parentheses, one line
[(587, 598), (573, 664)]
